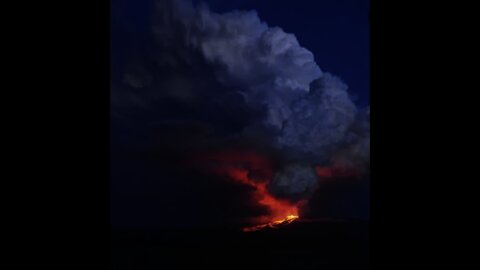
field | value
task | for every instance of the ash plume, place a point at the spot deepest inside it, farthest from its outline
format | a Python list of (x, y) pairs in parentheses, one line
[(295, 182), (239, 77)]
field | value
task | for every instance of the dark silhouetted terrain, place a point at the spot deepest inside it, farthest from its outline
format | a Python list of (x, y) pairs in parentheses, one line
[(299, 245)]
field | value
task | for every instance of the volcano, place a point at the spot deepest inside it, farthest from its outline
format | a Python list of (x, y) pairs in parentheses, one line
[(274, 224)]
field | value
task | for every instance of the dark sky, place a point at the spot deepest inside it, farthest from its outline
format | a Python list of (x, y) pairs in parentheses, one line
[(335, 31), (147, 189)]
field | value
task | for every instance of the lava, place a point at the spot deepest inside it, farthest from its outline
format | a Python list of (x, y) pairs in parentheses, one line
[(279, 209), (254, 170), (287, 220)]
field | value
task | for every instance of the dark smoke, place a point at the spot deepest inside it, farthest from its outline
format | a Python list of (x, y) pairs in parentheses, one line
[(232, 76), (295, 182)]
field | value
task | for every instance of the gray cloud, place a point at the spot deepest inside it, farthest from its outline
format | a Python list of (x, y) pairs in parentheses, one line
[(211, 64), (295, 181)]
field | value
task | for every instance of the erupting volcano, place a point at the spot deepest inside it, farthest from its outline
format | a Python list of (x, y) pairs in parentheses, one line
[(229, 140), (281, 211), (245, 97), (289, 219), (256, 171)]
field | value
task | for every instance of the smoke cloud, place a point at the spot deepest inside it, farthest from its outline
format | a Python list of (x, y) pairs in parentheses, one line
[(295, 182), (238, 77)]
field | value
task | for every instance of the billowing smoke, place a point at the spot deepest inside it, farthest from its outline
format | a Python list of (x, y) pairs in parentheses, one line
[(240, 78), (295, 182)]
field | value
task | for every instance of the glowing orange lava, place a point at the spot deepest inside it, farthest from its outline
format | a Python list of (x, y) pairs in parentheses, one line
[(256, 170), (289, 219), (238, 166), (279, 209)]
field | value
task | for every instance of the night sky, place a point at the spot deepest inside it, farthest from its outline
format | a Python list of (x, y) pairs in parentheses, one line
[(163, 116), (336, 31)]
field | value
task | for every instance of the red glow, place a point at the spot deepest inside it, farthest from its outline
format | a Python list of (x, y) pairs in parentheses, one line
[(335, 171), (254, 170), (289, 219), (324, 172), (250, 162), (279, 209)]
